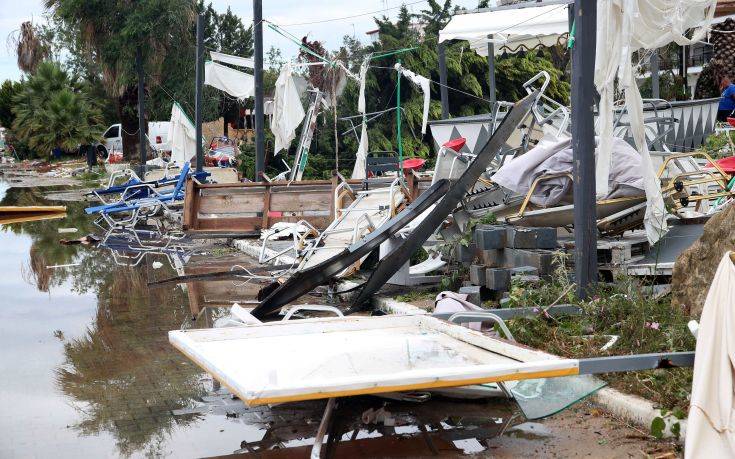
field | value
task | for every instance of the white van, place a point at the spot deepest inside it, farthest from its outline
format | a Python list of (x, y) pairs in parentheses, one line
[(157, 136)]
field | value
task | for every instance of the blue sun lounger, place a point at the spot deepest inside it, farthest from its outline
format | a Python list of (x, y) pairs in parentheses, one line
[(127, 211), (141, 192)]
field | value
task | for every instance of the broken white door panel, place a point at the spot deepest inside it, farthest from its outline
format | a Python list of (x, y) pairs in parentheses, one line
[(333, 357)]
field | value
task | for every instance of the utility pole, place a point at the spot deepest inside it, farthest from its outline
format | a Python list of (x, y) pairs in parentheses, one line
[(583, 145), (199, 76), (655, 92), (142, 147), (491, 71), (259, 118), (443, 80)]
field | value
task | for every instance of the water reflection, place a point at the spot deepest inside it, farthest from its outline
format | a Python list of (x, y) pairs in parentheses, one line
[(121, 375), (133, 394)]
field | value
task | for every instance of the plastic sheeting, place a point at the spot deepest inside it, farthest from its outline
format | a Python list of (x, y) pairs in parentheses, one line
[(181, 135), (623, 27), (511, 27), (711, 425), (287, 110), (425, 85), (234, 82)]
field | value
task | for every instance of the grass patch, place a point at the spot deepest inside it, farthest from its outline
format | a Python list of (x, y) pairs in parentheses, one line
[(91, 177), (416, 295), (642, 324)]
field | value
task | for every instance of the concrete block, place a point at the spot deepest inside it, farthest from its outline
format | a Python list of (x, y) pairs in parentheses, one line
[(519, 237), (466, 254), (524, 271), (489, 237), (494, 258), (473, 294), (540, 259), (477, 274), (497, 279)]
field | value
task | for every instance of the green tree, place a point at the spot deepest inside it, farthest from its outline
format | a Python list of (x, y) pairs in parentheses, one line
[(111, 31), (467, 78), (8, 90), (52, 110)]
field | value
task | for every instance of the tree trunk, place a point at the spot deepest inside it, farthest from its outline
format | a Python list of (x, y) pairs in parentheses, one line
[(127, 112)]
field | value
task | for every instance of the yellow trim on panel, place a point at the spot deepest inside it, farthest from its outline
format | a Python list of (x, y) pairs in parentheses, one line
[(409, 387)]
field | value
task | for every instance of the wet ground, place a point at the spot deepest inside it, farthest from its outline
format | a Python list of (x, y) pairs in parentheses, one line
[(87, 370)]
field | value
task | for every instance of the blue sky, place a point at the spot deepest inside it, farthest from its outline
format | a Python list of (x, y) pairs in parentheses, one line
[(282, 12)]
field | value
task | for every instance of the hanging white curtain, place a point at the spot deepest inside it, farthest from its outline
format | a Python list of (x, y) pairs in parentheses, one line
[(711, 424), (234, 82), (233, 60), (359, 172), (623, 27), (362, 77), (182, 135), (287, 109), (423, 83)]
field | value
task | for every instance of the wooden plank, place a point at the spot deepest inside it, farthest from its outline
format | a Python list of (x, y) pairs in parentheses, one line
[(190, 198), (229, 224), (230, 204), (294, 201), (266, 207)]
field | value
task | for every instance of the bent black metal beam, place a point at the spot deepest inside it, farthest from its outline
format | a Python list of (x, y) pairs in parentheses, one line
[(304, 281), (393, 262)]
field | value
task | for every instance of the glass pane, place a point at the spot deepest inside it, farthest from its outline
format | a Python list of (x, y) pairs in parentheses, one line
[(540, 398)]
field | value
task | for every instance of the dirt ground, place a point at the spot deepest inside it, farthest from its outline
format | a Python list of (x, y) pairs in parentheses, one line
[(582, 431)]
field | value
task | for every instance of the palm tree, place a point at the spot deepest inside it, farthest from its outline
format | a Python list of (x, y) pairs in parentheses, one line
[(53, 111), (112, 31), (29, 48)]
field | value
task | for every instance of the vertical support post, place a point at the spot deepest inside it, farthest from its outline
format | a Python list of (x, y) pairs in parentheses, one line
[(443, 80), (583, 145), (199, 77), (491, 71), (399, 139), (655, 91), (142, 147), (259, 118), (685, 69)]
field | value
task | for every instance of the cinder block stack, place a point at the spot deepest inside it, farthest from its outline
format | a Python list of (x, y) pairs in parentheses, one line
[(501, 253)]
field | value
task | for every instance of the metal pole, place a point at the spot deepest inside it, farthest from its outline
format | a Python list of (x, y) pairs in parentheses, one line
[(491, 71), (583, 145), (685, 69), (398, 118), (141, 109), (198, 91), (259, 118), (443, 81), (655, 93)]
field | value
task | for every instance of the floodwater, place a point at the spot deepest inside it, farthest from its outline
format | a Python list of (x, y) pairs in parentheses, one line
[(87, 370)]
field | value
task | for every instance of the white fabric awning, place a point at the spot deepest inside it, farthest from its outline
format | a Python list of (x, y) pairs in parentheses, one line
[(235, 83), (511, 27), (233, 60)]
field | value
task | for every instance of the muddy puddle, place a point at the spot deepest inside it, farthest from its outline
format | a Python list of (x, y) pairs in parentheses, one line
[(87, 370)]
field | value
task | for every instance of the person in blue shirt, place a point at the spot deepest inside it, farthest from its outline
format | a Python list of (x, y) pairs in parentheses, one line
[(727, 99)]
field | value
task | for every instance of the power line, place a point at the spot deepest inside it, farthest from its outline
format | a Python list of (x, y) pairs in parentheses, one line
[(321, 21)]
